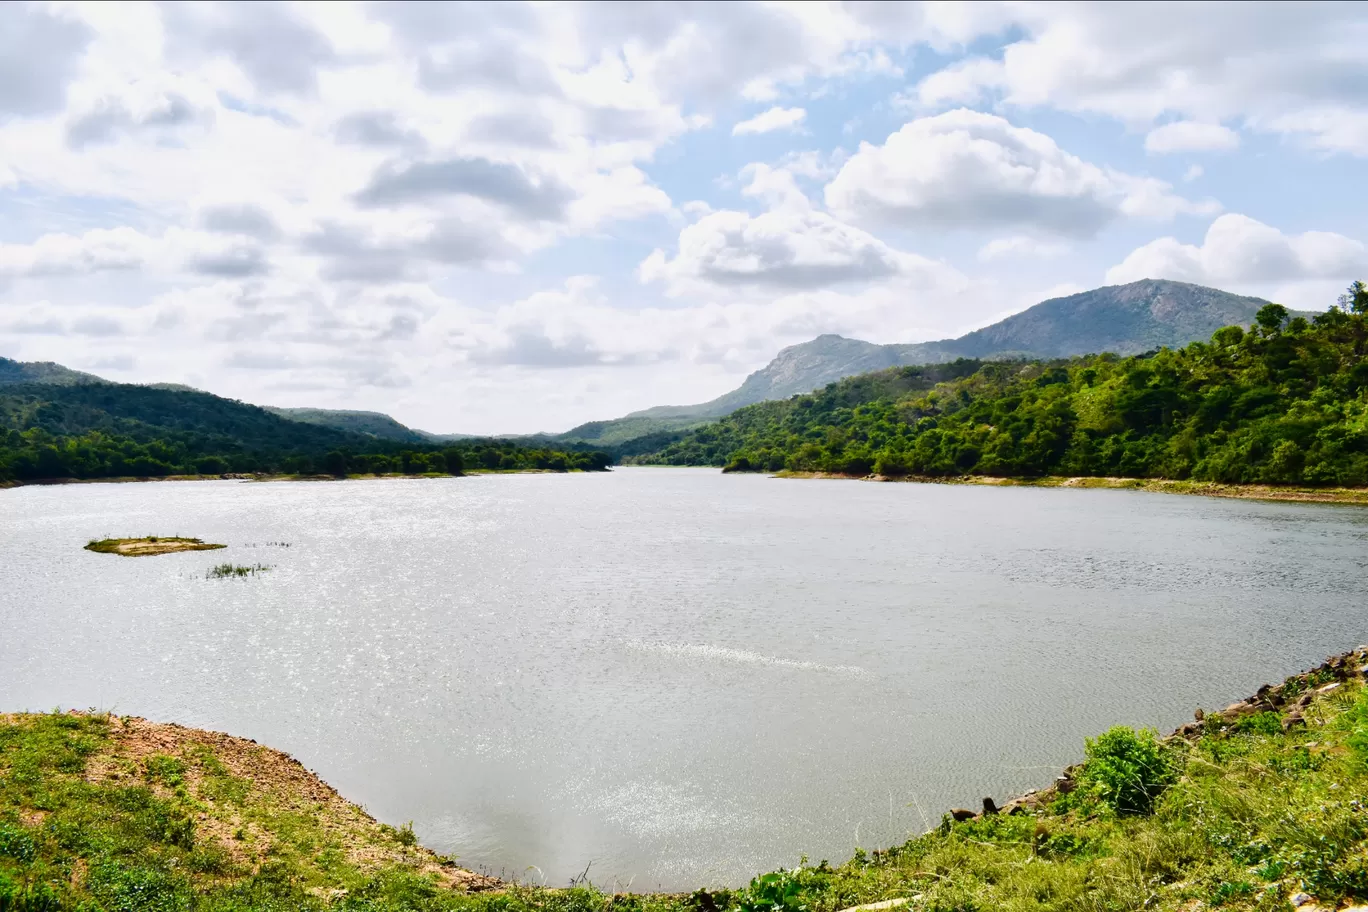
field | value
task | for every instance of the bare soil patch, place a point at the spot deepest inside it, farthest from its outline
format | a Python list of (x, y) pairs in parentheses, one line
[(245, 790)]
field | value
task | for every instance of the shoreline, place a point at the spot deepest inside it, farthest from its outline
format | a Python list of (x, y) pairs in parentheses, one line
[(241, 805), (238, 797), (1281, 493), (264, 476)]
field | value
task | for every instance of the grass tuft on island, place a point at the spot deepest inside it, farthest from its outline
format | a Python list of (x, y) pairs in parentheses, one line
[(1253, 808), (149, 545)]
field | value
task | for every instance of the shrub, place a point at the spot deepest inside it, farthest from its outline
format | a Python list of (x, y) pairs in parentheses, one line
[(1356, 720), (15, 843), (1127, 770)]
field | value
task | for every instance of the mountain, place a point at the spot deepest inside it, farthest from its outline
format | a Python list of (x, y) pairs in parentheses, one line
[(1125, 319), (370, 424), (1275, 407), (41, 372)]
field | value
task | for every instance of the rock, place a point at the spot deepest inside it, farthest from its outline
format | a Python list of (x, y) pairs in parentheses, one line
[(989, 807), (1291, 719), (1238, 710), (875, 906), (961, 815), (1019, 805), (1305, 699), (1300, 899)]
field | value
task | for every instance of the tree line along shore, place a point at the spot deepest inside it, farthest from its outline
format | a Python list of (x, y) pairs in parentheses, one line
[(1283, 403)]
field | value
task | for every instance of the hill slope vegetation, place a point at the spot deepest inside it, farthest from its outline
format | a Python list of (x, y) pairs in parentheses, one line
[(41, 372), (103, 430), (1123, 319), (369, 424), (1285, 402)]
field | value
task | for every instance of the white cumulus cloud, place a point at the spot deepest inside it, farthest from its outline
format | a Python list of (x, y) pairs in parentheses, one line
[(1241, 253), (775, 118), (967, 169), (784, 248), (1287, 68)]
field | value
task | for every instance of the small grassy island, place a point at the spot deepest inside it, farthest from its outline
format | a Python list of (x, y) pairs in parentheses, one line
[(149, 545), (1260, 806)]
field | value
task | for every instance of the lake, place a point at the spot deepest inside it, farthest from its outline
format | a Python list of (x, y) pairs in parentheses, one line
[(672, 677)]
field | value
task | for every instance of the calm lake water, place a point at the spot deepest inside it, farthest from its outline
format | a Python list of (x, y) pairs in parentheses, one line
[(675, 677)]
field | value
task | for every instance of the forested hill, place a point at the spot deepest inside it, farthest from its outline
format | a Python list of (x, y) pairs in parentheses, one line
[(370, 424), (1285, 402), (98, 430), (1125, 319), (41, 372)]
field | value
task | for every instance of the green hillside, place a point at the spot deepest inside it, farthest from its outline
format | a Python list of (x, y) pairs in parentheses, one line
[(101, 430), (632, 433), (1124, 319), (1285, 402), (41, 372), (370, 424)]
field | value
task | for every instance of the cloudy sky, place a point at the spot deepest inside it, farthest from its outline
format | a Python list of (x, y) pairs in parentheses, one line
[(507, 218)]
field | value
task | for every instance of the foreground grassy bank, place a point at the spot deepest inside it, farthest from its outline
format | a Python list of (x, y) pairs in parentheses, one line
[(1256, 807), (1158, 485)]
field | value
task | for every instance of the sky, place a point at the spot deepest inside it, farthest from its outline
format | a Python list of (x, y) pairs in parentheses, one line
[(508, 218)]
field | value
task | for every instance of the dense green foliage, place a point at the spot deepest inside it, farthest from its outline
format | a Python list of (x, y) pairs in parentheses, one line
[(371, 424), (12, 371), (1126, 770), (104, 430), (763, 436), (1238, 816), (1284, 403)]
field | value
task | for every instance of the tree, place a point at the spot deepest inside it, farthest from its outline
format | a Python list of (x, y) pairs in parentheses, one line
[(455, 463), (212, 465), (335, 463), (1355, 299), (1271, 317)]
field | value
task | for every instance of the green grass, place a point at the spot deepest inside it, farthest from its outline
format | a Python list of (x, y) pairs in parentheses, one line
[(1238, 814)]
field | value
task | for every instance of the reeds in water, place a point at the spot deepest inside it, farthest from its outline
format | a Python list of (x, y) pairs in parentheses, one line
[(224, 571)]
